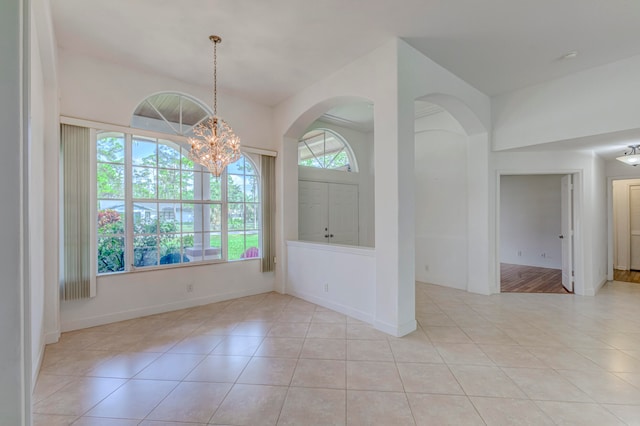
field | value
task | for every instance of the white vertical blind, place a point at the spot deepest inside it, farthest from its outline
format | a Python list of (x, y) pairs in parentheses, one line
[(77, 223)]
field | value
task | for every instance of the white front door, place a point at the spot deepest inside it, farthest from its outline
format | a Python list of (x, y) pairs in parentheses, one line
[(313, 213), (566, 213), (328, 212), (634, 225), (343, 214)]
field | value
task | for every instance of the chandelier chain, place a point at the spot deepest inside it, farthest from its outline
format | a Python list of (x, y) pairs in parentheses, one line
[(215, 77)]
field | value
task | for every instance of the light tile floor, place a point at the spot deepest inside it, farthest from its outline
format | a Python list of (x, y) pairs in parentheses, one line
[(273, 359)]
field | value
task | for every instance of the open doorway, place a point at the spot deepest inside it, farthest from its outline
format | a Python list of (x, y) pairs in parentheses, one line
[(536, 233), (626, 230)]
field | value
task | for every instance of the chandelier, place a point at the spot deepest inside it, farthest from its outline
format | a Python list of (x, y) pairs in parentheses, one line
[(632, 157), (214, 145)]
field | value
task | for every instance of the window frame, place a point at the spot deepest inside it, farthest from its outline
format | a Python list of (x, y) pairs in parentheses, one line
[(129, 234)]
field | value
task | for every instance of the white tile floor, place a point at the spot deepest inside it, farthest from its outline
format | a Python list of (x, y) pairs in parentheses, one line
[(271, 359)]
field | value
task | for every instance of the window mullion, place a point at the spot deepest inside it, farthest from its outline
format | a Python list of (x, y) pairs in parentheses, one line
[(128, 197)]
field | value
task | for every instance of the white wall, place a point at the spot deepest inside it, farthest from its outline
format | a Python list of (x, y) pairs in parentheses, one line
[(530, 220), (96, 90), (37, 207), (441, 201), (362, 145), (347, 285), (15, 352), (593, 102)]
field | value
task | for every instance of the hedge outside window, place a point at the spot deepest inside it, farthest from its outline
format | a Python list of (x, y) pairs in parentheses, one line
[(156, 207)]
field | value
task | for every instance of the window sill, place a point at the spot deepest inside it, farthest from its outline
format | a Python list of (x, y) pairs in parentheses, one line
[(176, 266)]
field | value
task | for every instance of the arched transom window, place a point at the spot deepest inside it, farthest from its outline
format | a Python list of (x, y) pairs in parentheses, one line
[(326, 149)]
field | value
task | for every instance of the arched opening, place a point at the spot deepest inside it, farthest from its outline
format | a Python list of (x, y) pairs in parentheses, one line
[(453, 245), (335, 176), (169, 112)]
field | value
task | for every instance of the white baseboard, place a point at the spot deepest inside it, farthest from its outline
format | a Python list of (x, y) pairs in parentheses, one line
[(157, 309), (397, 331), (338, 307), (52, 337), (35, 368)]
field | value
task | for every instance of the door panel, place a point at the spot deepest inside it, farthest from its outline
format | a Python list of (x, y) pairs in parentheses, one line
[(634, 225), (313, 213), (566, 213), (343, 214)]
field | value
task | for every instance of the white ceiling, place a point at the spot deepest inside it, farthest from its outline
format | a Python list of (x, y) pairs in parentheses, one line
[(272, 49)]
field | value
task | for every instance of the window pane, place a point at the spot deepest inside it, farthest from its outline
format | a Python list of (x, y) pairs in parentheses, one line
[(236, 216), (168, 217), (251, 214), (237, 167), (215, 193), (144, 152), (187, 185), (215, 217), (144, 182), (110, 179), (235, 188), (145, 218), (168, 155), (185, 162), (110, 221), (110, 147), (170, 248), (213, 250), (251, 243), (110, 254), (188, 248), (168, 184), (145, 251), (248, 168), (235, 245), (187, 217), (251, 192)]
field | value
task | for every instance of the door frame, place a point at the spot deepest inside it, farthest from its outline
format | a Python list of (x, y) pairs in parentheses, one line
[(610, 228), (578, 255)]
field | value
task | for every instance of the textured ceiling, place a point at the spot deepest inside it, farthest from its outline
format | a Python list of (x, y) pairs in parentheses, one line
[(272, 49)]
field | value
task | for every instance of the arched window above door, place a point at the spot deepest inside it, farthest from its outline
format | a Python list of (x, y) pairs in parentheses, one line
[(326, 149)]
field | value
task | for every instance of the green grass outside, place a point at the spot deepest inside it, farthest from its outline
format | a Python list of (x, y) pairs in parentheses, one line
[(236, 244)]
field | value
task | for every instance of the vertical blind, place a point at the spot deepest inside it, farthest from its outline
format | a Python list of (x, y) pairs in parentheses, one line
[(268, 164), (76, 155)]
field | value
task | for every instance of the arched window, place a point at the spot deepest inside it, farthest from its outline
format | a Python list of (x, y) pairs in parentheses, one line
[(156, 207), (326, 149), (169, 112)]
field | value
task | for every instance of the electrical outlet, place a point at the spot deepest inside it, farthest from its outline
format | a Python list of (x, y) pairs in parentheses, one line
[(326, 287), (544, 255), (426, 268), (519, 252), (189, 288)]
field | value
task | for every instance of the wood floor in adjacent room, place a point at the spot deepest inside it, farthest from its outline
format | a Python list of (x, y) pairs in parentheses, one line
[(626, 276), (530, 279)]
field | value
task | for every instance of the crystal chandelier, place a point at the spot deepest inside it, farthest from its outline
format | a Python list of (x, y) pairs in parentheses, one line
[(214, 145)]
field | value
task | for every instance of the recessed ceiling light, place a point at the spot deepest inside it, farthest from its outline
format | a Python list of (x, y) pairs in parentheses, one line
[(570, 55)]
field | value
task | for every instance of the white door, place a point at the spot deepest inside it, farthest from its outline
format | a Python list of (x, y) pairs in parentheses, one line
[(343, 214), (634, 225), (313, 212), (566, 212)]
